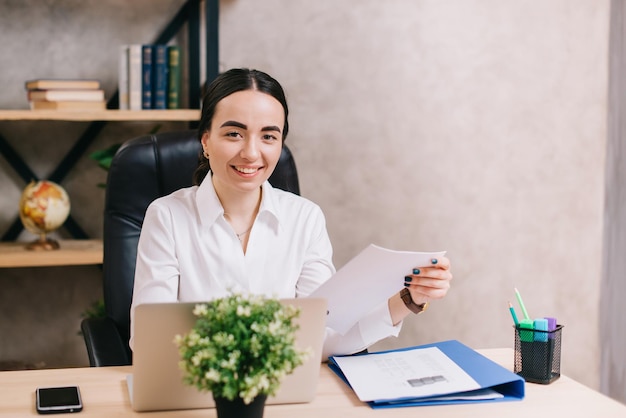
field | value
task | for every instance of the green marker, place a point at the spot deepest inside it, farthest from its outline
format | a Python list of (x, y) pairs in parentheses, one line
[(526, 330), (521, 304)]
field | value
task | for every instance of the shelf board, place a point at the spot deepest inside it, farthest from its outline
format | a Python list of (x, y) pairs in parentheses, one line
[(71, 253), (102, 115)]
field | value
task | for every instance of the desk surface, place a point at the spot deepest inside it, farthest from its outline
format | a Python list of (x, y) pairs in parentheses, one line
[(105, 394)]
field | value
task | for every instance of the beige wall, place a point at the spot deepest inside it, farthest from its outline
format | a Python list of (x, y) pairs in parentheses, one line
[(475, 127), (613, 288)]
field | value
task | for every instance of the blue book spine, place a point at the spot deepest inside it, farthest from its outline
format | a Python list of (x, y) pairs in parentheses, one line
[(159, 79), (146, 76)]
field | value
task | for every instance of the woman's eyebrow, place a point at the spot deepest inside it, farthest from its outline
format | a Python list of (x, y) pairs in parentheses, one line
[(271, 128), (234, 124)]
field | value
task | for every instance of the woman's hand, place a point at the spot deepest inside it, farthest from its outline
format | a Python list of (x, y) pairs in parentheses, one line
[(425, 284), (429, 282)]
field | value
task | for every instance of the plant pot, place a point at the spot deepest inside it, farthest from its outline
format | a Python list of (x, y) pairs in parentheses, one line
[(238, 409)]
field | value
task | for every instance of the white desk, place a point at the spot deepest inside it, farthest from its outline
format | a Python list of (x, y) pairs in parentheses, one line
[(105, 394)]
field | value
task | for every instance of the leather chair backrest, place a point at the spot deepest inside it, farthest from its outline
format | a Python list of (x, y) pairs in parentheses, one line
[(142, 170)]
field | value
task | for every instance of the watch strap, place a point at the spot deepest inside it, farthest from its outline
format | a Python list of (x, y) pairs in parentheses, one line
[(405, 295)]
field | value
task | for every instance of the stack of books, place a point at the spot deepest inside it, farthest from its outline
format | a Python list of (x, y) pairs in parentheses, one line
[(51, 94), (149, 76)]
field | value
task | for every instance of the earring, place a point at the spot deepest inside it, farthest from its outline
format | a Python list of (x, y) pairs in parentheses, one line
[(206, 154)]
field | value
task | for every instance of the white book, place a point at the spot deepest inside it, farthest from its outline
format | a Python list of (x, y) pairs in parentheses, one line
[(123, 78), (134, 77), (61, 95)]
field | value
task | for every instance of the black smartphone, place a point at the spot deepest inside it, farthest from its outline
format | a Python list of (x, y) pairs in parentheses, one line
[(58, 400)]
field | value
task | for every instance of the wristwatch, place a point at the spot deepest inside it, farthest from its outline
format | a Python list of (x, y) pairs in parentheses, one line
[(408, 301)]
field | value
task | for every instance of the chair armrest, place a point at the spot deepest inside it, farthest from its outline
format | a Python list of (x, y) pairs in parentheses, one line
[(104, 343)]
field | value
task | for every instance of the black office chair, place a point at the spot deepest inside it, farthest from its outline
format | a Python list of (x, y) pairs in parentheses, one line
[(142, 170)]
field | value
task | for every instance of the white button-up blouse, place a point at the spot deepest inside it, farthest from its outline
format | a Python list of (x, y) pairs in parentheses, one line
[(188, 252)]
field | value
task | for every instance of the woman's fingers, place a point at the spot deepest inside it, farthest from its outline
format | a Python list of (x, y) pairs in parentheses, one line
[(440, 262), (429, 282)]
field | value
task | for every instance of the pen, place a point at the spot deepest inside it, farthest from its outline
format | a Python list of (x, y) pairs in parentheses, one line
[(513, 314), (521, 304)]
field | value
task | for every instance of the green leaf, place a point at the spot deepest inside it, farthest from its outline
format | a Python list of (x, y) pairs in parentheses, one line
[(105, 156)]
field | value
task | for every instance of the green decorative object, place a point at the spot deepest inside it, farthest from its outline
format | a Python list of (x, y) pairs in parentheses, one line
[(240, 347), (104, 158)]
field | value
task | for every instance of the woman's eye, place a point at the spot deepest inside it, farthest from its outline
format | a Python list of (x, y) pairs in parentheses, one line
[(233, 134), (269, 137)]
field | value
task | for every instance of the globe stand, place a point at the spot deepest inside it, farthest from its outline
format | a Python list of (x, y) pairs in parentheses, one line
[(43, 244)]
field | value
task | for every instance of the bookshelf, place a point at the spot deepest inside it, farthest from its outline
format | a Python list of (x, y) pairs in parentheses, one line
[(70, 253), (182, 115), (96, 121), (189, 16)]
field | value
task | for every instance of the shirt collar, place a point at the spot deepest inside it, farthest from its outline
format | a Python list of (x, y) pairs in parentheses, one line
[(210, 208)]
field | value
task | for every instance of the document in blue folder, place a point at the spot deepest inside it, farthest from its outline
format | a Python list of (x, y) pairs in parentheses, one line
[(434, 374)]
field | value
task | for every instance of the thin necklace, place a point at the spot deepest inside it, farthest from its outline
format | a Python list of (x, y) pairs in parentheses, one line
[(243, 233)]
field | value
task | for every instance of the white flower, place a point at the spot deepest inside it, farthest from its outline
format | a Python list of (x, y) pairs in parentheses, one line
[(264, 383), (200, 309), (193, 339), (274, 327), (212, 375), (195, 360), (243, 311)]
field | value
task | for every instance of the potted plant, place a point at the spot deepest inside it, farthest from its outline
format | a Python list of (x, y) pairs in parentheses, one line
[(240, 348)]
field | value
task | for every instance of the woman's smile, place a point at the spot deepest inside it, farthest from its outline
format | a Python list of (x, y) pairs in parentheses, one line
[(246, 170)]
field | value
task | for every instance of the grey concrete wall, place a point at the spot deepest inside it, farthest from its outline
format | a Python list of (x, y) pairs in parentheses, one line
[(475, 127)]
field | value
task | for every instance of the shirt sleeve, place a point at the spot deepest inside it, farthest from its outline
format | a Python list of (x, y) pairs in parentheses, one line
[(317, 264), (372, 328), (156, 271)]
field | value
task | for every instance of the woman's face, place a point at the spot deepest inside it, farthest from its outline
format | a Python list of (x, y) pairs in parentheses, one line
[(245, 140)]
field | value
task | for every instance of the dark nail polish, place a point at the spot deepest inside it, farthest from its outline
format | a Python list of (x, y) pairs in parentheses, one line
[(408, 278), (434, 261), (416, 271), (407, 284)]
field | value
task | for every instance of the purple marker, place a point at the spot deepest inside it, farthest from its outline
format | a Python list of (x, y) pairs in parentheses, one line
[(551, 326), (551, 323)]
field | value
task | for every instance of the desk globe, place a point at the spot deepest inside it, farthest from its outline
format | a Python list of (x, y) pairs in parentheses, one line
[(44, 207)]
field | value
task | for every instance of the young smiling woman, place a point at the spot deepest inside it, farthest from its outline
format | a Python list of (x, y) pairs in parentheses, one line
[(243, 146), (232, 232)]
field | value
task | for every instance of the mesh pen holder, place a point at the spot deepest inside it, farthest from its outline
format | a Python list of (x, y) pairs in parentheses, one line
[(538, 354)]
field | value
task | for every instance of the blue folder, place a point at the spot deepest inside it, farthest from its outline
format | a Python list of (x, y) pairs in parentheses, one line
[(488, 374)]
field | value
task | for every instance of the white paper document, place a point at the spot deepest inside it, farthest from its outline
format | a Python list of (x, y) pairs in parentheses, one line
[(407, 374), (370, 278)]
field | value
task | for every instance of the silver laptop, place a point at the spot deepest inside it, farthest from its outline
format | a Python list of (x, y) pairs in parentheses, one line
[(156, 383)]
